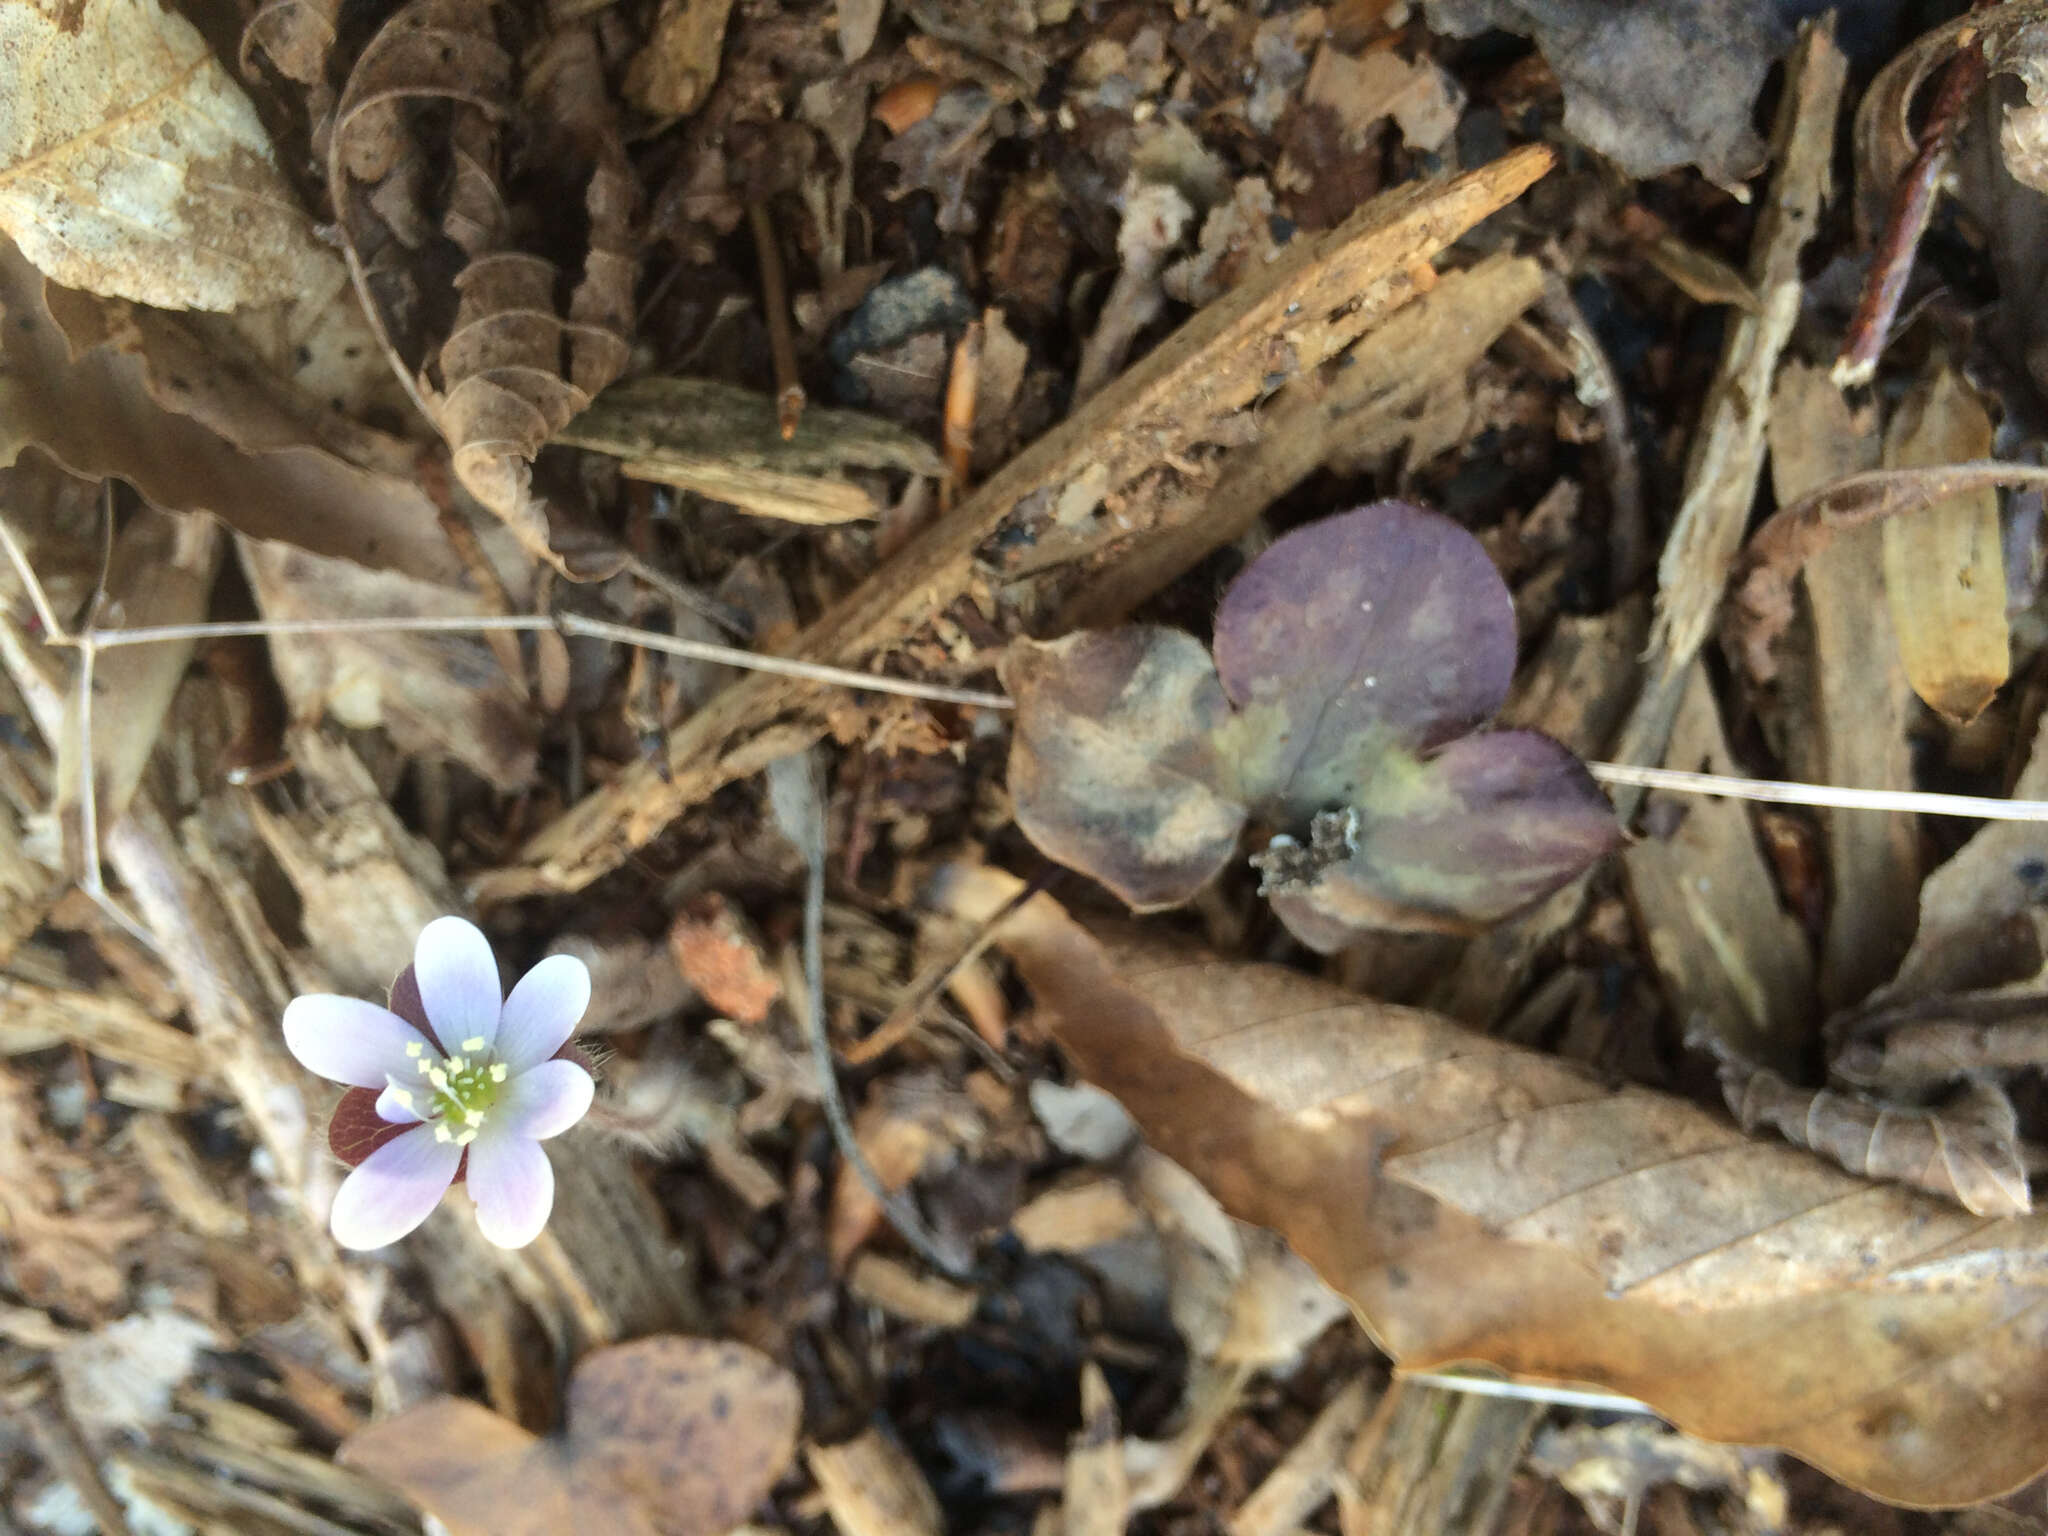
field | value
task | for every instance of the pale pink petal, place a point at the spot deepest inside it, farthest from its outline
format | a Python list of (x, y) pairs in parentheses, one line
[(401, 1100), (395, 1189), (542, 1011), (513, 1185), (346, 1040), (543, 1101), (458, 981)]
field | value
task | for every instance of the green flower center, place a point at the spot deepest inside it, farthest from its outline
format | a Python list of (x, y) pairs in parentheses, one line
[(456, 1092)]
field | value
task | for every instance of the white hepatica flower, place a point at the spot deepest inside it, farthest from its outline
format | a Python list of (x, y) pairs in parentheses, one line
[(482, 1080)]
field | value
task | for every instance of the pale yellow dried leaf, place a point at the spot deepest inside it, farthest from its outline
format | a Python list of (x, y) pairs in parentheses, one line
[(1944, 568), (132, 165)]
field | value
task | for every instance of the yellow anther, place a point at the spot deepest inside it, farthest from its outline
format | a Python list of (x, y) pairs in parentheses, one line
[(499, 1071), (401, 1098), (443, 1134), (415, 1049), (438, 1078), (423, 1067), (473, 1116), (465, 1138), (475, 1043), (458, 1063)]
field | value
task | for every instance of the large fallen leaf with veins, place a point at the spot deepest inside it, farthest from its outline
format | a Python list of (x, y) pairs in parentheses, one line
[(131, 163), (1352, 659), (666, 1436), (1481, 1203)]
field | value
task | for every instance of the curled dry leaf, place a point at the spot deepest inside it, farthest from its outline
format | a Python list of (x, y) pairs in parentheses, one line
[(667, 1436), (1967, 1150), (1351, 660), (1478, 1202), (1922, 1045), (512, 367)]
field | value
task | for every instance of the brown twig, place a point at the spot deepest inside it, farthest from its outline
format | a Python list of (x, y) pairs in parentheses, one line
[(1599, 386), (789, 389), (1912, 203), (905, 1017)]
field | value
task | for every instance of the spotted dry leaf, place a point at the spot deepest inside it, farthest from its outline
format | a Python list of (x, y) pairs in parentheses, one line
[(666, 1436), (132, 165)]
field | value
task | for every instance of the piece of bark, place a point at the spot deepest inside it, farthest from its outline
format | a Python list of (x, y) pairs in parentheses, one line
[(675, 70), (1732, 959), (188, 1189), (1095, 1499), (106, 1023), (1728, 444), (1307, 1474), (1944, 569), (726, 443), (1433, 1463), (1348, 405), (1860, 701), (871, 1487), (1315, 299)]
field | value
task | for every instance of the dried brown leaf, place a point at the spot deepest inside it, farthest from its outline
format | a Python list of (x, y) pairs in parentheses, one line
[(1477, 1202), (1760, 593), (667, 1436), (1944, 570), (1967, 1150), (439, 694), (107, 389)]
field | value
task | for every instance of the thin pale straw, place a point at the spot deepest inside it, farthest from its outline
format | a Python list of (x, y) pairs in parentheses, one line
[(1527, 1392), (567, 623), (1768, 791), (1784, 792)]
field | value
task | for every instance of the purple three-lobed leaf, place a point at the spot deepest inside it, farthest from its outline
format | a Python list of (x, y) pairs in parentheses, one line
[(1353, 663)]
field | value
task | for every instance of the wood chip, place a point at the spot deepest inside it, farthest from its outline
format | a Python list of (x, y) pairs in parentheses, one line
[(107, 1023), (1296, 1488), (871, 1487), (1860, 700), (1096, 1497), (1728, 445), (910, 1294)]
